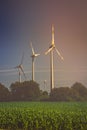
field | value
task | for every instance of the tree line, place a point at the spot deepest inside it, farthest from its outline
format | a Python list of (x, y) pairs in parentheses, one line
[(30, 91)]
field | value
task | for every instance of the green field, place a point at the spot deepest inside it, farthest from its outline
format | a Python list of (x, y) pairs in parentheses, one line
[(43, 115)]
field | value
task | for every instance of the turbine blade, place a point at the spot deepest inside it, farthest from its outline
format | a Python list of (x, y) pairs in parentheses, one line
[(59, 54), (32, 48), (37, 55), (49, 50), (21, 67), (53, 35), (22, 58)]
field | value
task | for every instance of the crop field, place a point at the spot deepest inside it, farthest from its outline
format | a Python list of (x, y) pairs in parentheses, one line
[(43, 115)]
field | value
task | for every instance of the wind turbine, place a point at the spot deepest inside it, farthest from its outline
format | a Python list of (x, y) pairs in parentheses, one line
[(45, 84), (20, 69), (51, 50), (33, 58)]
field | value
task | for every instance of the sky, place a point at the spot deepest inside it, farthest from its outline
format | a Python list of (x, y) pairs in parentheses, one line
[(25, 21)]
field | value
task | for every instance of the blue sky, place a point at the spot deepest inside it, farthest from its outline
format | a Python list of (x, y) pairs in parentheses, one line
[(22, 21)]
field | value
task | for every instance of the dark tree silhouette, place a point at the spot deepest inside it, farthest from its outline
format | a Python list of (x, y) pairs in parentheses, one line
[(28, 90), (4, 93), (77, 92), (60, 94), (81, 90)]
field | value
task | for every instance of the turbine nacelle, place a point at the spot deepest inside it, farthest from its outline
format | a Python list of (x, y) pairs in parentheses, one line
[(33, 52), (33, 58), (34, 55), (52, 47), (50, 50), (20, 69)]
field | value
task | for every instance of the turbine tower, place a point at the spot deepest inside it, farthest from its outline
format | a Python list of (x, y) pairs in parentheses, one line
[(51, 50), (20, 69), (33, 58)]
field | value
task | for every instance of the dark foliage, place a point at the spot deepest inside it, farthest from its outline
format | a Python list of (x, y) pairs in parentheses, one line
[(77, 92), (4, 93), (25, 91), (29, 91)]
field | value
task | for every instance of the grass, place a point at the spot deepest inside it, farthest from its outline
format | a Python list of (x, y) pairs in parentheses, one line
[(43, 115)]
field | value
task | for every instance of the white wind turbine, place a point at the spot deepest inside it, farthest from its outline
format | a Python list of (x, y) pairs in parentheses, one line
[(33, 58), (20, 69), (50, 50)]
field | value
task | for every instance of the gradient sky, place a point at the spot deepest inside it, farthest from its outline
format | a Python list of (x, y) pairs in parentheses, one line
[(22, 21)]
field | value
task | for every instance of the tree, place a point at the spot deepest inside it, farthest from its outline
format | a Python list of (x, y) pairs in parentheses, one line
[(81, 90), (44, 96), (28, 90), (60, 94), (67, 94), (15, 91), (4, 93)]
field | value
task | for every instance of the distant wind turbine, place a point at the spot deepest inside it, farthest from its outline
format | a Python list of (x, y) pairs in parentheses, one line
[(33, 58), (51, 50), (20, 69), (45, 84)]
